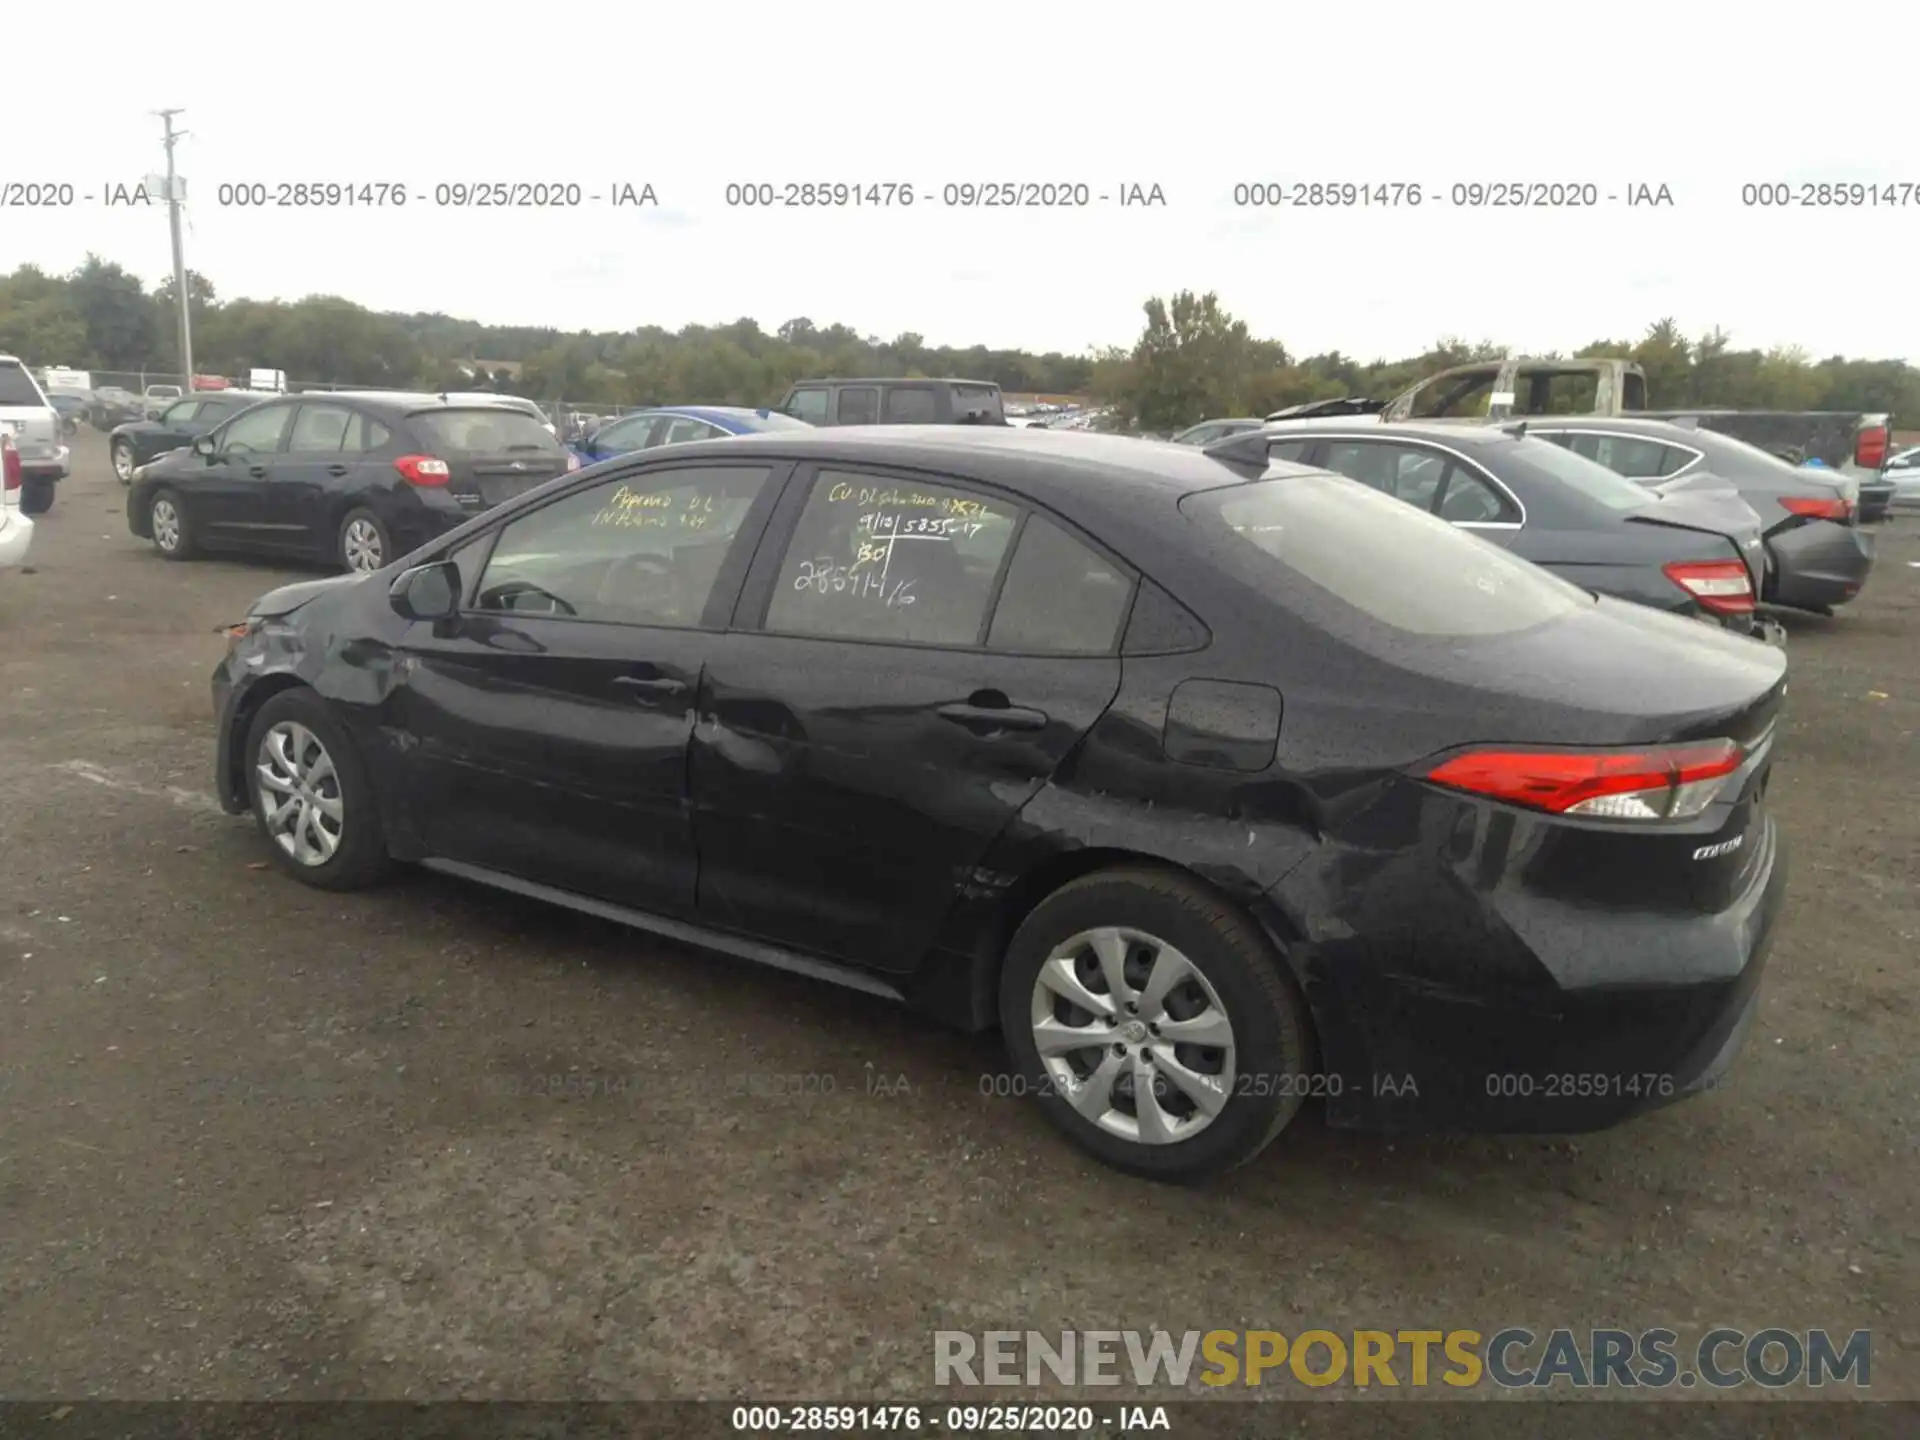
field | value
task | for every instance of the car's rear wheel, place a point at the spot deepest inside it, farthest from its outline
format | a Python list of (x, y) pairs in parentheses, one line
[(311, 794), (36, 496), (364, 543), (1155, 1023), (167, 523), (123, 465)]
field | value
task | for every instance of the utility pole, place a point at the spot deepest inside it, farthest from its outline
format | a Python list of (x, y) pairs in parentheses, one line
[(179, 259)]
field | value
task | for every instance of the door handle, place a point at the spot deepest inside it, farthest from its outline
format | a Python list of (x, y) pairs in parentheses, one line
[(256, 470), (649, 685), (336, 469), (993, 717)]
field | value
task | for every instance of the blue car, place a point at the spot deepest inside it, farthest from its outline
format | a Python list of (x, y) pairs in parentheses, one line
[(673, 424)]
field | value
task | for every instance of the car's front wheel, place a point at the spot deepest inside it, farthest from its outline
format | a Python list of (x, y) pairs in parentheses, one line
[(123, 464), (1155, 1023), (312, 796), (167, 523)]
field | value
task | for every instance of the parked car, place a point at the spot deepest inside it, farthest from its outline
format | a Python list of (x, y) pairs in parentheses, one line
[(114, 406), (157, 397), (1903, 473), (677, 424), (16, 528), (1820, 556), (1695, 554), (895, 401), (989, 722), (72, 410), (357, 478), (1208, 431), (36, 426), (133, 444)]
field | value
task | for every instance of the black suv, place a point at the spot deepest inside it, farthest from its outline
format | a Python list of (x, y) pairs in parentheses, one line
[(895, 402)]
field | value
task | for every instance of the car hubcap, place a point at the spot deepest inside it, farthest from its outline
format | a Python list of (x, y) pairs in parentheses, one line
[(123, 462), (166, 524), (362, 545), (1133, 1036), (300, 793)]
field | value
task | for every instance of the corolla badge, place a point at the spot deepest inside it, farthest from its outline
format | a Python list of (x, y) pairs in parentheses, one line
[(1725, 847)]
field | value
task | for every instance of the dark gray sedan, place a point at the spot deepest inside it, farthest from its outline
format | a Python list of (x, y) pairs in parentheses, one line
[(1696, 552), (1820, 555)]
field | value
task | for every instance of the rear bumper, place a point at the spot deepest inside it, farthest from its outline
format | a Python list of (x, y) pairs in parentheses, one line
[(1819, 563), (1647, 1010), (56, 466)]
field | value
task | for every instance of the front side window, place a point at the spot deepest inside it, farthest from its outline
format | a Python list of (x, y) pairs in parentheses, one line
[(256, 431), (809, 403), (1387, 561), (179, 414), (645, 550), (624, 435), (877, 559)]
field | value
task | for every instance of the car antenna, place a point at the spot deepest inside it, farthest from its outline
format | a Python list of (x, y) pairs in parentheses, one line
[(1518, 431)]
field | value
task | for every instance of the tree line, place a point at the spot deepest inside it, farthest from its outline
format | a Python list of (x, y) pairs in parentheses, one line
[(1193, 360)]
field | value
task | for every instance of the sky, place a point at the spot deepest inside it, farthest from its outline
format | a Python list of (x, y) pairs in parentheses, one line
[(1702, 99)]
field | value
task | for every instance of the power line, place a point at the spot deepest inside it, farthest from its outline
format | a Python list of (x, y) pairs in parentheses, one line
[(174, 189)]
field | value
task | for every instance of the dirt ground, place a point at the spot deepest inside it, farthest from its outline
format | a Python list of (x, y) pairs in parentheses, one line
[(261, 1142)]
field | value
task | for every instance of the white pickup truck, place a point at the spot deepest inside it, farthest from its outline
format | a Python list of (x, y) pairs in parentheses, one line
[(44, 461)]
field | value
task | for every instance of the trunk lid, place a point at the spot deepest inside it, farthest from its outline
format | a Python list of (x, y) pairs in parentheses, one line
[(1711, 505), (492, 453)]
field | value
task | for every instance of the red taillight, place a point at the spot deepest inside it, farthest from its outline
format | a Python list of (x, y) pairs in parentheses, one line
[(1722, 586), (422, 470), (9, 465), (1818, 507), (1870, 447), (1669, 782)]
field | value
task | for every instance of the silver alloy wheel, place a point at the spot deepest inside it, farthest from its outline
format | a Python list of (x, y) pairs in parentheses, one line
[(360, 544), (1133, 1036), (123, 462), (300, 793), (166, 525)]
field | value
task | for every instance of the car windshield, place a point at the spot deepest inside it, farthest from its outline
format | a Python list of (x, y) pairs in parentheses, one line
[(16, 387), (483, 430), (1592, 479), (1397, 565)]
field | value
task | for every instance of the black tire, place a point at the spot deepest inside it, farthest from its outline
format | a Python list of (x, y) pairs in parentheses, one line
[(360, 858), (1272, 1033), (186, 545), (358, 522), (36, 496)]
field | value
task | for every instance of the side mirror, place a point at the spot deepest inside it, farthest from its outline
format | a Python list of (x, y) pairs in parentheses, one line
[(427, 592), (203, 445)]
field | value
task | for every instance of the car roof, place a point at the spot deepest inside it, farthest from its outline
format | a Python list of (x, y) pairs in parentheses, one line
[(1441, 432), (893, 380), (412, 402), (716, 413), (1100, 470)]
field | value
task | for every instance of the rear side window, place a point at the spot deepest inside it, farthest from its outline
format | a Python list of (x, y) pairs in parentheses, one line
[(492, 430), (1060, 598), (1629, 455), (978, 400), (859, 405), (17, 387), (1588, 478), (1396, 565), (912, 405), (320, 428)]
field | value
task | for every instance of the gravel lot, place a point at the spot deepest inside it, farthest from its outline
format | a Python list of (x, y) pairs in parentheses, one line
[(261, 1142)]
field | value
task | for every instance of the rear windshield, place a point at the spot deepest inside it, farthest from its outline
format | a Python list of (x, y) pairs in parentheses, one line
[(17, 387), (483, 430), (777, 420), (1589, 477), (1395, 564), (977, 400)]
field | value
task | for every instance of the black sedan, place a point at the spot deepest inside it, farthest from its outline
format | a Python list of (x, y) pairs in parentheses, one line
[(353, 479), (134, 443), (114, 406), (1213, 794), (1696, 553)]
